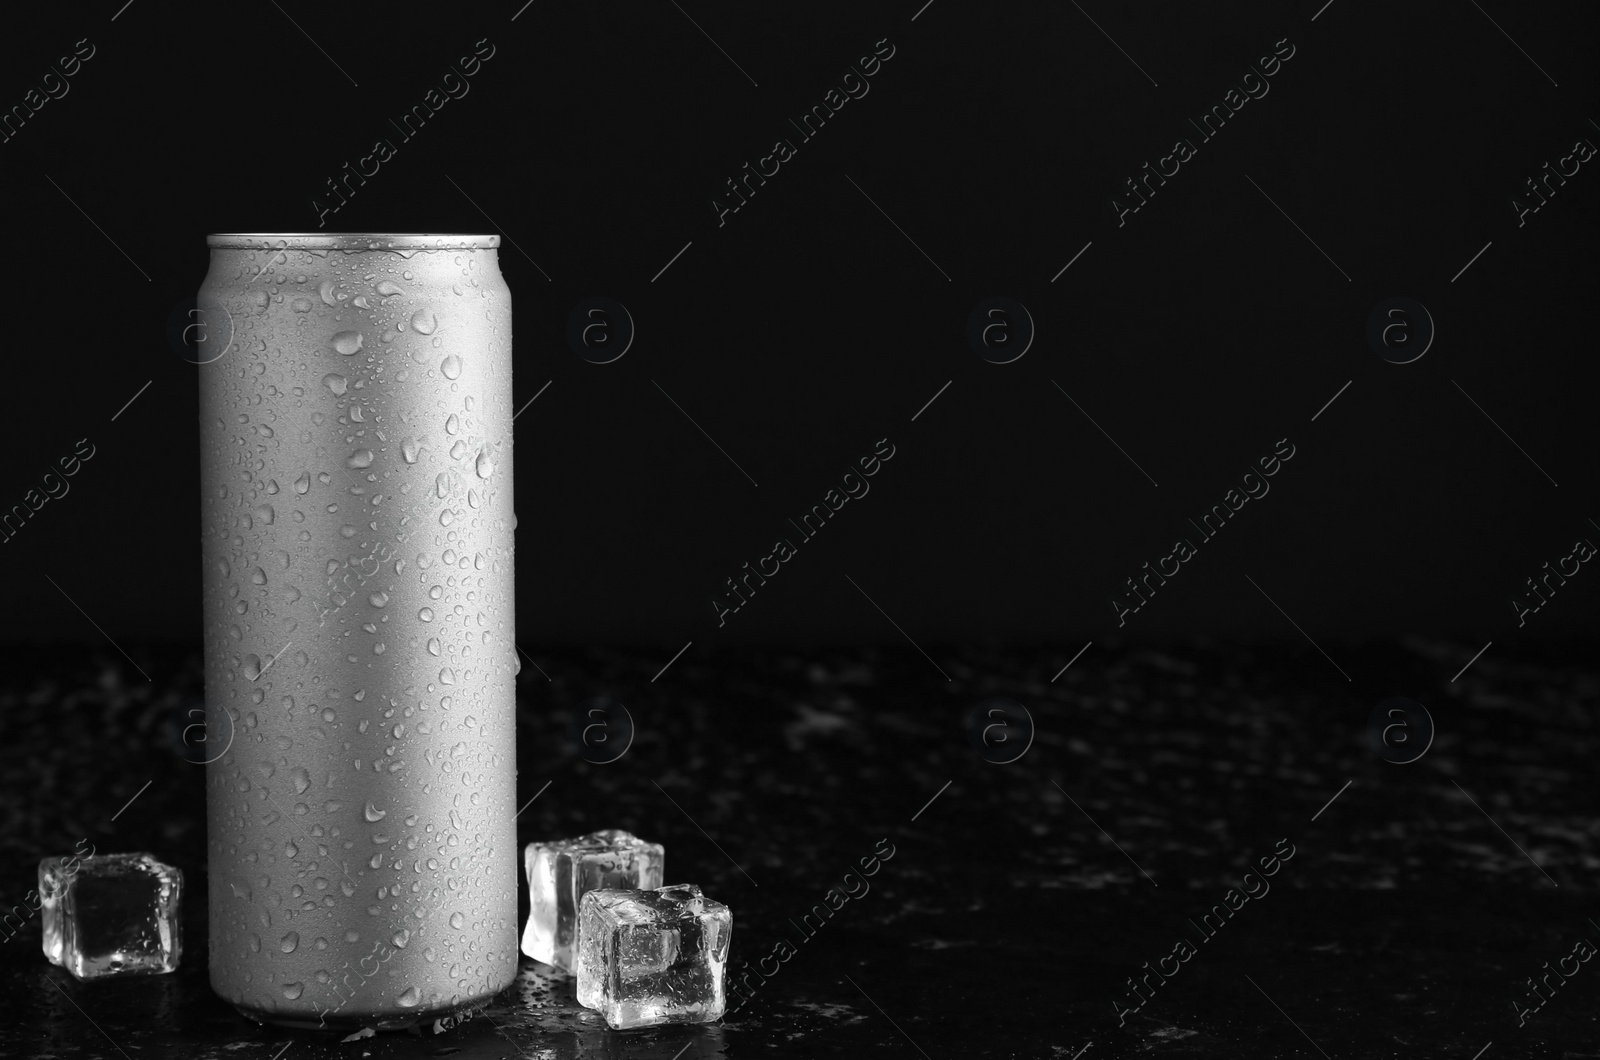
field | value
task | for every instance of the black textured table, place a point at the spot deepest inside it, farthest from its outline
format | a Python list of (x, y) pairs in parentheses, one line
[(1413, 905)]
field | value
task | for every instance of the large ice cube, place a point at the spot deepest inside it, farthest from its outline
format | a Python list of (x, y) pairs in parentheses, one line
[(111, 914), (650, 957), (560, 872)]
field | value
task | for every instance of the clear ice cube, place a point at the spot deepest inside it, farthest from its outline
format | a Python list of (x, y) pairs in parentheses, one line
[(111, 914), (651, 957), (561, 872)]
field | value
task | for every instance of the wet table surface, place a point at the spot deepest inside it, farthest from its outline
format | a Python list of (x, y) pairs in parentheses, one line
[(1414, 904)]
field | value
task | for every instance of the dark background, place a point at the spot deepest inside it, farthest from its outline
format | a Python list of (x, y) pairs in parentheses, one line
[(775, 750), (807, 327)]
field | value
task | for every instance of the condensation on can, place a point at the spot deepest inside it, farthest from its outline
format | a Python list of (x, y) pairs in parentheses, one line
[(360, 649)]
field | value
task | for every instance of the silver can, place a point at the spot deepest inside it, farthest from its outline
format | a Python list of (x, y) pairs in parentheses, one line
[(360, 648)]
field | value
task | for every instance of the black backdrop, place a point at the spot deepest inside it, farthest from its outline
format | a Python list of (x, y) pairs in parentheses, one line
[(810, 325)]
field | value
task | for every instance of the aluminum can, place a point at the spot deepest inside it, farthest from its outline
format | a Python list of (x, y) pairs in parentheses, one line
[(360, 647)]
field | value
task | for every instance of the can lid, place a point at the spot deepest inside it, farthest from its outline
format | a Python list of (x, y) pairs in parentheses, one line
[(350, 241)]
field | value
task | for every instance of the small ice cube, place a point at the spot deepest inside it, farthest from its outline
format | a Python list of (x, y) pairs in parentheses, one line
[(559, 874), (649, 957), (111, 914)]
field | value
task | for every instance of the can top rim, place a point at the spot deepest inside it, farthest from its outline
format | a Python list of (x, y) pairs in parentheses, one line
[(350, 241)]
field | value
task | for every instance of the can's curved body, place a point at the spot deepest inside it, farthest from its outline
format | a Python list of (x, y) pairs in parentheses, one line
[(360, 652)]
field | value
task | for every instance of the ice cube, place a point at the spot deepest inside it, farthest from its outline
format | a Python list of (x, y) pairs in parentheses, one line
[(111, 914), (559, 874), (649, 957)]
